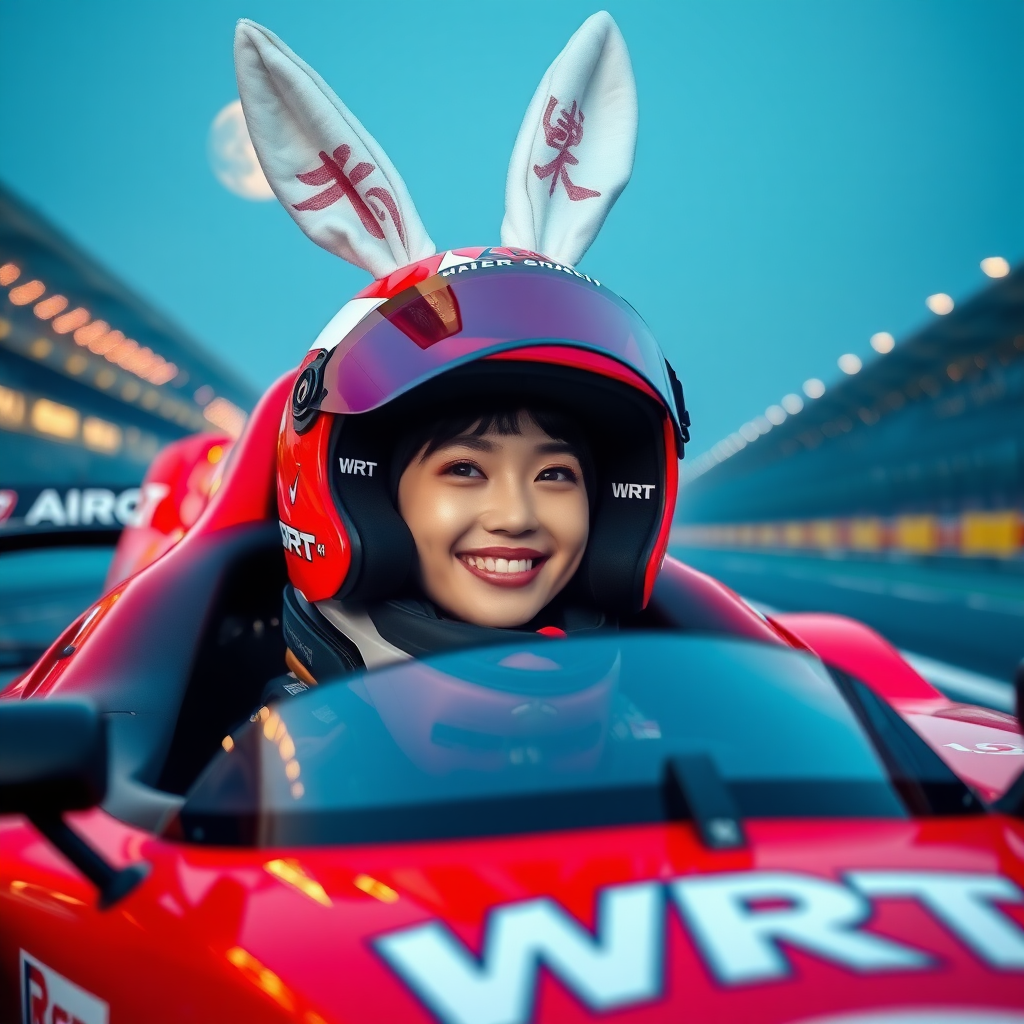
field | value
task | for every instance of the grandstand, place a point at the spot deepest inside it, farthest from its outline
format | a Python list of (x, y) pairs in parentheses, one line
[(920, 453), (93, 381)]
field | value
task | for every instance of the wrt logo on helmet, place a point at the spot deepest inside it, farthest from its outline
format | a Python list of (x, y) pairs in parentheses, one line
[(300, 543), (632, 490), (357, 467)]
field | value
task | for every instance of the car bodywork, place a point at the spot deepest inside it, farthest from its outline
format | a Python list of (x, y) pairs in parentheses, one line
[(811, 919)]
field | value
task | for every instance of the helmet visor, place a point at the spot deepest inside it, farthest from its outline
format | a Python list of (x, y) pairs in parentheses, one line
[(446, 321)]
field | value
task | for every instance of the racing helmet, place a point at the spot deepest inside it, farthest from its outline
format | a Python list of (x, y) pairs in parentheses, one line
[(483, 321)]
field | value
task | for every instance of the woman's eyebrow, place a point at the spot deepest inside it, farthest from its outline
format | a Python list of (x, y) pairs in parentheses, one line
[(477, 444), (556, 448)]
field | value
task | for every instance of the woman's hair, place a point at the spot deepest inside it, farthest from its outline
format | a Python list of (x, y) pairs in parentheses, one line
[(479, 419)]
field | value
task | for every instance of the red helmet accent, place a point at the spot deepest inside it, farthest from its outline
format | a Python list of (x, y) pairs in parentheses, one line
[(316, 544)]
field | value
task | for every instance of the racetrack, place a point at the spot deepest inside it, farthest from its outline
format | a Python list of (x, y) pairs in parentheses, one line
[(958, 614)]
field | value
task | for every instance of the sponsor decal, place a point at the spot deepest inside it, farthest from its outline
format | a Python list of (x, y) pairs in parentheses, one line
[(988, 748), (8, 500), (357, 467), (459, 265), (299, 543), (49, 998), (152, 495), (632, 490), (293, 487), (97, 507), (743, 924)]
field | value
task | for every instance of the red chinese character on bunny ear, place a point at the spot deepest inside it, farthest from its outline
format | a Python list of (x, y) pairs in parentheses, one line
[(574, 152), (328, 172)]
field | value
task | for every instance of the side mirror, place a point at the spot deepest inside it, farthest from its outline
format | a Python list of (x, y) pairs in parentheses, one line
[(53, 758)]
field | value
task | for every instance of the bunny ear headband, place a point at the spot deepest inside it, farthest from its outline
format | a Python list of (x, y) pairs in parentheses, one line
[(572, 157)]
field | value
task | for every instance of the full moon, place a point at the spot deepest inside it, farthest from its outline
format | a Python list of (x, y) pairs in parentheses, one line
[(232, 157)]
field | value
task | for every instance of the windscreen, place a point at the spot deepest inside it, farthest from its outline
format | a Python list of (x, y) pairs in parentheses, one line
[(541, 735), (446, 321)]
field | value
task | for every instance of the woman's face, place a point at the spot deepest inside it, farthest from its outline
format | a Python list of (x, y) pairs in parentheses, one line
[(500, 523)]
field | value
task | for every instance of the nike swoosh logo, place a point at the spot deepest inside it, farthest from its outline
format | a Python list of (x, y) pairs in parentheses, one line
[(294, 487)]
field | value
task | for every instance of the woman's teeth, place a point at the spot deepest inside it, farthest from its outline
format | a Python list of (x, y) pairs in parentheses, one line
[(508, 565)]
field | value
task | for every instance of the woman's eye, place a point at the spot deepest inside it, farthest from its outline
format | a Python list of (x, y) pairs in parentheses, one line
[(559, 474), (466, 469)]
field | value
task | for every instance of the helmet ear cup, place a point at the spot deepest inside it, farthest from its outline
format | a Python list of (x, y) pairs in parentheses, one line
[(383, 551), (628, 506)]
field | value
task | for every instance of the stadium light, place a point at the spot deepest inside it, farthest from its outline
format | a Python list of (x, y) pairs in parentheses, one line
[(849, 363), (792, 404), (939, 303), (995, 266), (814, 388), (775, 414), (883, 342)]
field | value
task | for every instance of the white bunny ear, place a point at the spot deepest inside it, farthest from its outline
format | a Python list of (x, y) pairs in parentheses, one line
[(328, 171), (574, 152)]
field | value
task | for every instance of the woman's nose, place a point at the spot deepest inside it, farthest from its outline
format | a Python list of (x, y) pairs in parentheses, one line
[(512, 510)]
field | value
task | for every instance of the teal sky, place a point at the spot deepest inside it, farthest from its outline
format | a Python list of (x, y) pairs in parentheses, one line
[(807, 171)]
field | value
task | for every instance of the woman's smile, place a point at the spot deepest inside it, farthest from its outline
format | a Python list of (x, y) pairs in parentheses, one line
[(504, 567)]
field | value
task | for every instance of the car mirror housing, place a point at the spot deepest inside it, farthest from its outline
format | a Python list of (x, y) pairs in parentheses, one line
[(53, 756)]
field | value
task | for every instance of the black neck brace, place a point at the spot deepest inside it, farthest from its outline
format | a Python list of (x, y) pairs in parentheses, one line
[(415, 627)]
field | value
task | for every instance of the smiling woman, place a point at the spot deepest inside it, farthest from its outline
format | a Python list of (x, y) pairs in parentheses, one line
[(497, 507)]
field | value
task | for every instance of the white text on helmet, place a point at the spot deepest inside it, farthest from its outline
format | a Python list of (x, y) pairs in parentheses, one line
[(632, 490), (297, 542), (357, 467)]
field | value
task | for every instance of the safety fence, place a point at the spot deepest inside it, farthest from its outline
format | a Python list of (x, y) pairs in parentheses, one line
[(968, 535)]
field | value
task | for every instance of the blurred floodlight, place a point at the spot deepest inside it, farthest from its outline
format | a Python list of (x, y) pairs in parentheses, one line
[(762, 424), (750, 432), (995, 266), (814, 388), (939, 303), (883, 342), (738, 440), (775, 414), (849, 363), (792, 404)]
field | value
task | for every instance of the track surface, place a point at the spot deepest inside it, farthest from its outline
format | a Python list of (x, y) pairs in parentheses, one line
[(959, 615)]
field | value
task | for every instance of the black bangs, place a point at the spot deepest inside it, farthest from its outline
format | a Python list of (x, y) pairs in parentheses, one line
[(476, 420)]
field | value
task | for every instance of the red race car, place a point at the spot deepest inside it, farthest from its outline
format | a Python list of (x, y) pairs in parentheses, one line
[(690, 813), (710, 816)]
